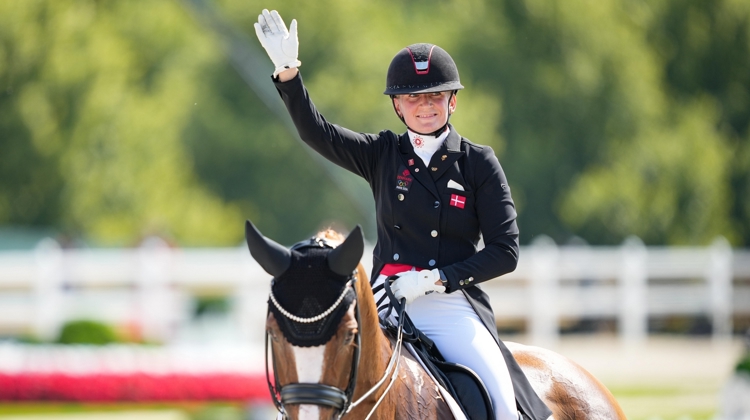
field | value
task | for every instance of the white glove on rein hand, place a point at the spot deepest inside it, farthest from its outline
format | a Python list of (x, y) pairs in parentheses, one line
[(281, 45), (413, 284)]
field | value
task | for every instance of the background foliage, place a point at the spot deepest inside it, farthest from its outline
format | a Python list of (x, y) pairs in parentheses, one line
[(85, 331), (121, 119)]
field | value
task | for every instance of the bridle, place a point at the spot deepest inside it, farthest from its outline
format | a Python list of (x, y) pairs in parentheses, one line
[(314, 393), (321, 394)]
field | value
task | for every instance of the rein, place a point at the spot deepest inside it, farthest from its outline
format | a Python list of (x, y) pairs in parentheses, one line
[(395, 358), (326, 395)]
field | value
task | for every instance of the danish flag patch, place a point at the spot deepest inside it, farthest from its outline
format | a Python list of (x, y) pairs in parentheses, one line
[(458, 201)]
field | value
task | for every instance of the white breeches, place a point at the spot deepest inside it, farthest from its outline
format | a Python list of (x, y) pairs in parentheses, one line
[(450, 321)]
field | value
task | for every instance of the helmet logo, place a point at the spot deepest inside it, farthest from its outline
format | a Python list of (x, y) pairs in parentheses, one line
[(421, 60)]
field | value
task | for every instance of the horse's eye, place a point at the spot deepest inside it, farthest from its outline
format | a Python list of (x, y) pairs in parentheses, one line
[(350, 337)]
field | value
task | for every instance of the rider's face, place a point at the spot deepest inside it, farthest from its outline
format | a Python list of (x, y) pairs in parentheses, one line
[(425, 112)]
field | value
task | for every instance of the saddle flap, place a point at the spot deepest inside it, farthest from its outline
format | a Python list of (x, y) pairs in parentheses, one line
[(469, 390)]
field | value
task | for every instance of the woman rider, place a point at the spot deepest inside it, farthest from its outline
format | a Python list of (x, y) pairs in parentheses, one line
[(435, 192)]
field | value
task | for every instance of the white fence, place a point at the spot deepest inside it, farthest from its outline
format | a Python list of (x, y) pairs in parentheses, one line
[(628, 283), (152, 287)]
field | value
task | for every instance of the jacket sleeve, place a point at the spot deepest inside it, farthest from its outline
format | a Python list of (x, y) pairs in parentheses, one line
[(355, 152), (497, 222)]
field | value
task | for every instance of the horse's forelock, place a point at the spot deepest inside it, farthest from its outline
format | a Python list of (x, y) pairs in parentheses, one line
[(333, 237)]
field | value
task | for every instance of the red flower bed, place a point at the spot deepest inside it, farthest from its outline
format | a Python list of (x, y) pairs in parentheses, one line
[(133, 387)]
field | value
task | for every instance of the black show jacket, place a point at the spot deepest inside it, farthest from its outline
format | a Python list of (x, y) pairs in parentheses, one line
[(420, 220)]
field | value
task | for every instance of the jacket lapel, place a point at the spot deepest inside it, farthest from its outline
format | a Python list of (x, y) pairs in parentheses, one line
[(446, 156)]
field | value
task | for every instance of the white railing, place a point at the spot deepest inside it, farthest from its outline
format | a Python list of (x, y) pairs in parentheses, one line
[(628, 283), (152, 287)]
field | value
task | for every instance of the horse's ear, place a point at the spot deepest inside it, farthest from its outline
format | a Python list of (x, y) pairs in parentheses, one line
[(344, 259), (274, 258)]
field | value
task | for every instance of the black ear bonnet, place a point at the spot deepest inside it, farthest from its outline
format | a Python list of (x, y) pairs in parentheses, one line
[(306, 289)]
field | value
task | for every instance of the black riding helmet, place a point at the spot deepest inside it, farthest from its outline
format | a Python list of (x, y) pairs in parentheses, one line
[(422, 68)]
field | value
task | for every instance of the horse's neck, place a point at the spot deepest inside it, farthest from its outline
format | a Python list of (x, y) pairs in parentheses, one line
[(410, 393), (376, 348)]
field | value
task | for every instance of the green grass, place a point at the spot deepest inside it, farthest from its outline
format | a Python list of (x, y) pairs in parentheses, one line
[(697, 415), (690, 402), (645, 391)]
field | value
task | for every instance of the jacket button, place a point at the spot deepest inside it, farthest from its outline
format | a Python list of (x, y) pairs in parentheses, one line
[(461, 282), (397, 227), (400, 197), (395, 257), (471, 279), (431, 263), (436, 205), (434, 234)]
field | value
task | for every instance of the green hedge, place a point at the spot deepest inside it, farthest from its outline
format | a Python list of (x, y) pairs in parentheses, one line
[(86, 332), (744, 365)]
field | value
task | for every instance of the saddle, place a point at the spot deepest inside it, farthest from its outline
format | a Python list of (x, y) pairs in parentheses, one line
[(462, 383)]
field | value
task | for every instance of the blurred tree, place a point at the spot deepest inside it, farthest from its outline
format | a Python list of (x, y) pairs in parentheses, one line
[(96, 95), (241, 148), (573, 78), (668, 185), (30, 179), (610, 118), (705, 45), (596, 145), (683, 177)]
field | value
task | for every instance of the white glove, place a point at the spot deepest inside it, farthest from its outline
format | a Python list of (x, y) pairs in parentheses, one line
[(413, 284), (281, 45)]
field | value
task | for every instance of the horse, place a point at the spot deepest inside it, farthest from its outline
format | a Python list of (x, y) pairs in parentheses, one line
[(331, 359)]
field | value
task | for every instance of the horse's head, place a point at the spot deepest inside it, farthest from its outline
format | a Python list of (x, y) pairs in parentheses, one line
[(312, 321)]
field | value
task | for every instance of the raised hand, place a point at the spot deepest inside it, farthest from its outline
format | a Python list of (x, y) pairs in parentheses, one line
[(281, 44)]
